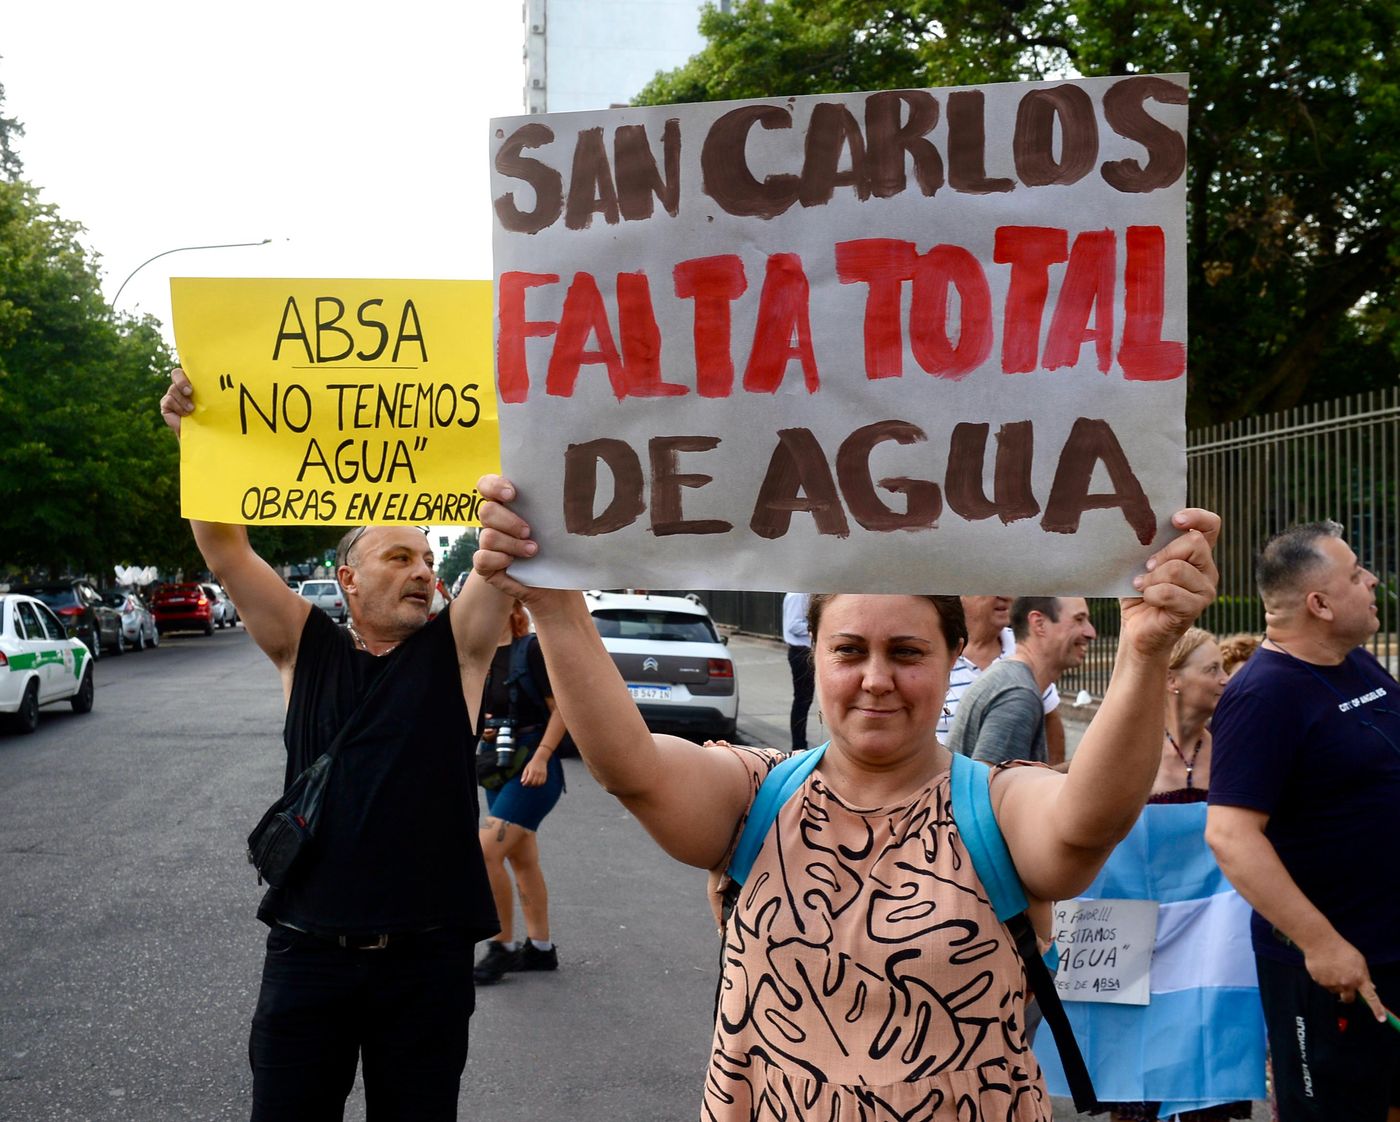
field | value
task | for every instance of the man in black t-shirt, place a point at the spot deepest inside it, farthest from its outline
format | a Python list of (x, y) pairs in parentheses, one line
[(1304, 794), (371, 939)]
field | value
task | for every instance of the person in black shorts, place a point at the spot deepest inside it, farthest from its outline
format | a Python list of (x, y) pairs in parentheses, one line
[(1304, 788), (514, 811), (370, 940)]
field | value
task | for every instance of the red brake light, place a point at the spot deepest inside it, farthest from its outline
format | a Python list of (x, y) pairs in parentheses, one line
[(721, 668), (4, 661), (72, 610), (202, 601)]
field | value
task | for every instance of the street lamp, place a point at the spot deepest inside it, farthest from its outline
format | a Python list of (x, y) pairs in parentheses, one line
[(179, 249)]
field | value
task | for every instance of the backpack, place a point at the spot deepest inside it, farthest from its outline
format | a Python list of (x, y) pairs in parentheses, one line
[(490, 775), (991, 860)]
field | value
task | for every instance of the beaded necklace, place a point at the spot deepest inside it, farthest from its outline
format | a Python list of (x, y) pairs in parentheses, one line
[(1195, 755)]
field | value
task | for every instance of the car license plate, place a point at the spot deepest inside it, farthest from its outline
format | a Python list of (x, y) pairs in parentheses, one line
[(649, 693)]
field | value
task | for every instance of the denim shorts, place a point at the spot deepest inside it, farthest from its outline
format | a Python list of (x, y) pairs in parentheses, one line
[(523, 806)]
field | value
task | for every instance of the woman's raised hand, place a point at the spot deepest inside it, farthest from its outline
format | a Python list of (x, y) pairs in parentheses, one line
[(1179, 583), (505, 537)]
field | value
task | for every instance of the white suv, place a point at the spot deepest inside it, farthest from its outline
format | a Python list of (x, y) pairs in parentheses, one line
[(326, 595), (675, 664)]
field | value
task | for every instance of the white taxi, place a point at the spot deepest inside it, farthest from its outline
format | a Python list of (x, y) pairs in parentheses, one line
[(39, 663)]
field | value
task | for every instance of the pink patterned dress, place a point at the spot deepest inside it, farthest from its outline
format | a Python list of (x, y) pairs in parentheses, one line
[(866, 977)]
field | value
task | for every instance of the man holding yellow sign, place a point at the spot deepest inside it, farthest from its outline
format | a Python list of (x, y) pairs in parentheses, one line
[(372, 931)]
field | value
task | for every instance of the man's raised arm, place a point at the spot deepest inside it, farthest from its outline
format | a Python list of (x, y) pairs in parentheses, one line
[(273, 614)]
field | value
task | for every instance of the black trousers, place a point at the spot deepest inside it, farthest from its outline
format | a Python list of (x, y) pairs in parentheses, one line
[(1332, 1061), (803, 684), (402, 1011)]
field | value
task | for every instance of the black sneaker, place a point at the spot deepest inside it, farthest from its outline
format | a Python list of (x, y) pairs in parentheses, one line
[(494, 963), (532, 958)]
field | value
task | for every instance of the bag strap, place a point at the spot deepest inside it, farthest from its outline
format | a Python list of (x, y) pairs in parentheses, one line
[(991, 860), (777, 787), (520, 678)]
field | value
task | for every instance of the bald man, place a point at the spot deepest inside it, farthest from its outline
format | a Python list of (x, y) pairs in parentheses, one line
[(371, 938), (1304, 800)]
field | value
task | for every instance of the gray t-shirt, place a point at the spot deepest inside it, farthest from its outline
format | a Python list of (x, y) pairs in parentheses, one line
[(1001, 716)]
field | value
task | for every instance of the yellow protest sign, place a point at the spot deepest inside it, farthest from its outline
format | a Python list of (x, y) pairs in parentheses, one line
[(335, 401)]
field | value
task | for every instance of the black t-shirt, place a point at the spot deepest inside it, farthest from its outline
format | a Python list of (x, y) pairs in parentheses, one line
[(396, 848), (1317, 748), (495, 700)]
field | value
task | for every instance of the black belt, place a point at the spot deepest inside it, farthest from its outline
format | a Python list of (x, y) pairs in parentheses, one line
[(363, 942)]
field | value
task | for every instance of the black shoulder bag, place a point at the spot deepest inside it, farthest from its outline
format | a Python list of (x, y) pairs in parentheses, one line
[(285, 830)]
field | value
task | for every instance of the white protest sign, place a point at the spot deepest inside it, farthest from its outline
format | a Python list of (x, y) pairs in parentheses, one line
[(1105, 950), (906, 341)]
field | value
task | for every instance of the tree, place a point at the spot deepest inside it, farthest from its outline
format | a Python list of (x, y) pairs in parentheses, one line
[(89, 476), (458, 558), (83, 475), (1293, 205), (10, 128)]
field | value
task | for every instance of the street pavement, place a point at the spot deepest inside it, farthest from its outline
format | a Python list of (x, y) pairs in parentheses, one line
[(129, 949)]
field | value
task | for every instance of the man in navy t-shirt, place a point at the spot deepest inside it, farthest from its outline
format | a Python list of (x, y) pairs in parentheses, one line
[(1304, 808)]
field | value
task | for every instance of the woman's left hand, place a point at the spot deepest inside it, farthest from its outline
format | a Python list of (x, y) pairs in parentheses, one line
[(1179, 583), (536, 771)]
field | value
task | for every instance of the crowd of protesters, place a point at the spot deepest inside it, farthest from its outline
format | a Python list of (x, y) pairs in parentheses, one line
[(869, 968)]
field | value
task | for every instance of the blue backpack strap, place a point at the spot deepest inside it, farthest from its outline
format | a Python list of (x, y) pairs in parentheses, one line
[(977, 826), (777, 787)]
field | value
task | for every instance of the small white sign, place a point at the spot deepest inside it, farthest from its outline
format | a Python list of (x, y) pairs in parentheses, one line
[(1105, 950)]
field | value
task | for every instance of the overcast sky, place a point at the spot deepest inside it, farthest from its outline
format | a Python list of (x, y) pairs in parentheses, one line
[(353, 134)]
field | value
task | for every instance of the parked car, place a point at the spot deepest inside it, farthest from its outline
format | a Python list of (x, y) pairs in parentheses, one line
[(326, 595), (40, 663), (676, 665), (225, 614), (139, 628), (83, 612), (183, 607)]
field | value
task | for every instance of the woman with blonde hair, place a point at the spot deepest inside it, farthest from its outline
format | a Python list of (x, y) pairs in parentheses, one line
[(1195, 680), (1175, 843)]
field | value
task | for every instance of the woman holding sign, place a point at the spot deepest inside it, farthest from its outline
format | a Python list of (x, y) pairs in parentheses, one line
[(1216, 1029), (865, 974)]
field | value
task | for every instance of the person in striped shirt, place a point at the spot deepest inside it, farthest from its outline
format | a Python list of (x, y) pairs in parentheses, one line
[(989, 638)]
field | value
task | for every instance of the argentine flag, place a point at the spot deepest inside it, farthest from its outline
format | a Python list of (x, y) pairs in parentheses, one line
[(1200, 1040)]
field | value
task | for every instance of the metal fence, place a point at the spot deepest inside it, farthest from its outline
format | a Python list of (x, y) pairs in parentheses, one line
[(1338, 459)]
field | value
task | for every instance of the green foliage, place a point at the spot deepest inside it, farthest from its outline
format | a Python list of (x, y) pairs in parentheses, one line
[(293, 545), (458, 558), (87, 472), (10, 128), (1294, 207)]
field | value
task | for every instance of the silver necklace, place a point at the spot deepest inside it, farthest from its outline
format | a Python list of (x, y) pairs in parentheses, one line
[(359, 642)]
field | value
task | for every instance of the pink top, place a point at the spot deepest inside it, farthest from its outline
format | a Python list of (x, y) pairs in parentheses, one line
[(866, 977)]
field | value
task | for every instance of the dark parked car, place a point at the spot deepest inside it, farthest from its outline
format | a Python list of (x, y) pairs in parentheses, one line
[(82, 611), (183, 607)]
